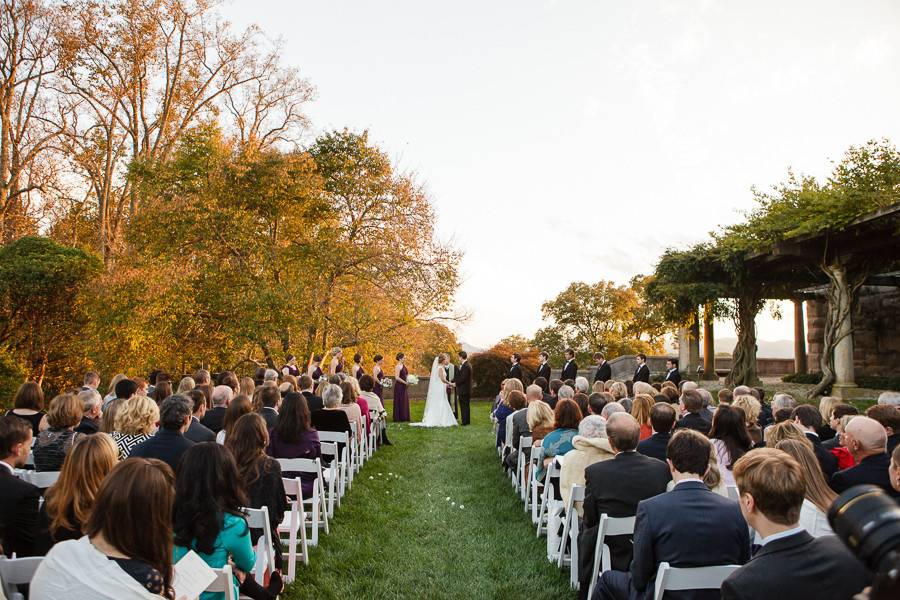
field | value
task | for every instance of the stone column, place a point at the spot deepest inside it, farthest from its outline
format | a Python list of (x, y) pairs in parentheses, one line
[(709, 348), (844, 383), (689, 350), (799, 338)]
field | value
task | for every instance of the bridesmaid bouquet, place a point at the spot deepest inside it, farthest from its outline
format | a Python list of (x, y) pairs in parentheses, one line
[(412, 380), (387, 383)]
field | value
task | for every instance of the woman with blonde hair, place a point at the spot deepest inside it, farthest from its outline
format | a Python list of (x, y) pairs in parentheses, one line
[(68, 502), (640, 410), (52, 444), (186, 384), (247, 386), (786, 430), (134, 421), (540, 420), (337, 361), (818, 497), (826, 406), (618, 389), (598, 388), (751, 408)]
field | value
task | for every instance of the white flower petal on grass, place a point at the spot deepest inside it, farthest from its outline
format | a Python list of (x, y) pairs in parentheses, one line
[(461, 506), (448, 498), (453, 504)]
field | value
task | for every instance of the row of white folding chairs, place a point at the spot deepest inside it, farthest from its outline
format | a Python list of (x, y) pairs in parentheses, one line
[(41, 479)]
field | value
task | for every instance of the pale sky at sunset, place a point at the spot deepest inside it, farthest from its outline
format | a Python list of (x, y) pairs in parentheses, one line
[(566, 141)]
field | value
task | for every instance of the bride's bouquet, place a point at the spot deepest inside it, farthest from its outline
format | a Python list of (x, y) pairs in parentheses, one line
[(412, 380)]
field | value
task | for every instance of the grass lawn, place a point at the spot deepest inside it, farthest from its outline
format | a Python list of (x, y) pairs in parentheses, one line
[(397, 535)]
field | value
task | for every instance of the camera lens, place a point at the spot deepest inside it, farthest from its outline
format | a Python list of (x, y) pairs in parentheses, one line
[(868, 522)]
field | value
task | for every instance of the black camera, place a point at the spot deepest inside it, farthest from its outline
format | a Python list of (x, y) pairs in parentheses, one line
[(867, 520)]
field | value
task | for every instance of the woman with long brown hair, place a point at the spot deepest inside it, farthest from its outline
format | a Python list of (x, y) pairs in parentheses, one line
[(68, 502), (818, 497), (28, 405), (127, 548), (238, 407)]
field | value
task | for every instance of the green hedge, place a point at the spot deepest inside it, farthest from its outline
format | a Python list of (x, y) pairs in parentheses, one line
[(489, 369), (869, 382)]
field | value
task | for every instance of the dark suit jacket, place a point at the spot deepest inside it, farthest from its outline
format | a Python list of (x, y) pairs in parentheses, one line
[(604, 372), (214, 419), (463, 380), (687, 527), (544, 371), (892, 442), (549, 400), (88, 426), (198, 433), (655, 446), (615, 487), (270, 415), (673, 376), (570, 370), (515, 372), (167, 445), (799, 567), (695, 421), (331, 420), (827, 460), (18, 514), (642, 373), (872, 470), (313, 402)]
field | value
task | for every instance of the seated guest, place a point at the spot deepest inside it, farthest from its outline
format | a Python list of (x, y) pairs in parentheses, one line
[(611, 408), (214, 419), (826, 405), (361, 402), (590, 446), (597, 401), (331, 418), (839, 411), (18, 499), (662, 419), (198, 432), (161, 391), (582, 401), (228, 378), (135, 422), (28, 404), (517, 402), (54, 443), (786, 430), (90, 420), (68, 502), (809, 421), (504, 409), (687, 527), (367, 392), (818, 496), (352, 408), (565, 427), (694, 416), (554, 386), (111, 389), (866, 440), (615, 487), (207, 518), (306, 387), (126, 388), (640, 410), (752, 410), (237, 408), (270, 399), (127, 548), (791, 562), (725, 396), (294, 437), (169, 442), (539, 417), (186, 384), (894, 471), (246, 387), (544, 384), (889, 417), (730, 439), (260, 475), (518, 426), (618, 389)]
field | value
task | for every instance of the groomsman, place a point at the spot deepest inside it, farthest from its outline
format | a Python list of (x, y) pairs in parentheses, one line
[(570, 369), (515, 371), (642, 373), (672, 373), (463, 381), (604, 371), (544, 367)]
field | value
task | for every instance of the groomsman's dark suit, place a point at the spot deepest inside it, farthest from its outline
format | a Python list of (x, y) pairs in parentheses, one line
[(515, 372), (642, 373), (604, 372), (463, 381), (570, 370), (674, 376), (544, 371)]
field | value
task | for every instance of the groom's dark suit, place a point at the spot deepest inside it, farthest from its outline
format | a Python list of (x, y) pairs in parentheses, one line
[(463, 381)]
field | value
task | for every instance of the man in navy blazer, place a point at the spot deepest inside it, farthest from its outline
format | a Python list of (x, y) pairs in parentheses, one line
[(662, 419), (570, 369), (604, 371), (791, 563), (808, 418), (690, 526), (169, 442), (866, 440)]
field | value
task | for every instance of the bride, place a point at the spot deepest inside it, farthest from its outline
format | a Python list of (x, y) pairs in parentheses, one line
[(437, 408)]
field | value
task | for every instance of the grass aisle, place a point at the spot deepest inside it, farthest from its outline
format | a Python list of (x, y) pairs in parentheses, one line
[(397, 535)]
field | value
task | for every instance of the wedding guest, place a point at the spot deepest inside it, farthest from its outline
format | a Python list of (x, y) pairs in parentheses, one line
[(378, 375), (68, 503), (269, 399), (611, 408), (28, 404), (401, 394), (590, 446), (695, 417), (894, 471), (583, 403), (214, 419), (202, 377), (127, 549), (361, 402), (294, 437), (169, 443), (604, 370), (786, 430), (186, 384), (540, 420), (554, 386), (618, 389), (230, 379), (866, 441), (598, 387), (356, 370), (791, 562), (730, 439), (570, 369), (247, 387), (505, 409), (337, 361), (889, 417), (313, 401), (752, 411), (288, 384), (367, 392), (809, 421), (52, 445), (543, 367), (108, 420), (238, 407), (518, 427), (352, 408), (724, 396), (207, 518), (662, 419), (331, 417), (135, 422), (111, 389), (597, 401), (826, 405), (640, 410), (565, 427), (290, 366), (161, 391), (839, 411), (818, 496), (92, 413), (198, 432), (18, 499)]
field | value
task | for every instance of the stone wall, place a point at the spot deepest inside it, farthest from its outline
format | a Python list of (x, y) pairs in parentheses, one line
[(876, 332)]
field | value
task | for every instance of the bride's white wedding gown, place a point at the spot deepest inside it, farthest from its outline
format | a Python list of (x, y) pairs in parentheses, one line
[(438, 412)]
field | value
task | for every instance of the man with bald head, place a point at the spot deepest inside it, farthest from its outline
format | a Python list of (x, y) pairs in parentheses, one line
[(865, 438), (615, 487)]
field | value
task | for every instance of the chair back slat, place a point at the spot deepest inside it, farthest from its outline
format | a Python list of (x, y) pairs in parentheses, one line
[(694, 578)]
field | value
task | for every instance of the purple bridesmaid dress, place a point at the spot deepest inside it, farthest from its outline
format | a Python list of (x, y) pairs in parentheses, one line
[(379, 391), (401, 398)]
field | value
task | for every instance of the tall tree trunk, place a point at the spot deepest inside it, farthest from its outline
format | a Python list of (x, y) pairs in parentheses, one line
[(743, 364)]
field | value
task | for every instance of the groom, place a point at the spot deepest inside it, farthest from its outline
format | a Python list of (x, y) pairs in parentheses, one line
[(463, 381)]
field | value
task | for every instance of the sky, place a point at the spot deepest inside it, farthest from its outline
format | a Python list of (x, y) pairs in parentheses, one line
[(576, 141)]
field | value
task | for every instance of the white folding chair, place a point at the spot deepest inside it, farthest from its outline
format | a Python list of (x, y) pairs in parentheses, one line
[(553, 470), (343, 466), (602, 560), (294, 523), (694, 578), (354, 453), (331, 474), (318, 511), (524, 443), (17, 571), (570, 527), (375, 418), (533, 484), (223, 583), (41, 479), (258, 518)]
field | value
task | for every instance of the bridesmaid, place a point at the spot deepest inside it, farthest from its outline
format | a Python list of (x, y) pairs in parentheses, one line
[(337, 361), (378, 375), (315, 369), (356, 370), (401, 397)]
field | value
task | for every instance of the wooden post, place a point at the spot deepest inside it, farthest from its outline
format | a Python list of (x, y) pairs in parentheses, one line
[(799, 338), (709, 346)]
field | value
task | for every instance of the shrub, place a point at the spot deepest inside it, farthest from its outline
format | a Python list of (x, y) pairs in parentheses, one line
[(491, 367), (11, 377)]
